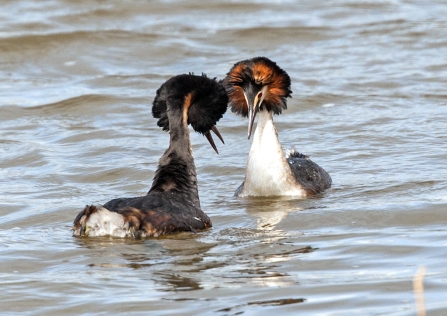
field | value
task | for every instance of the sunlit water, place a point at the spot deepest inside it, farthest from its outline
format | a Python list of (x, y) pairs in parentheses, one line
[(369, 105)]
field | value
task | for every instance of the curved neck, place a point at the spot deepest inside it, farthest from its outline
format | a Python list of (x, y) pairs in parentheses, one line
[(176, 170)]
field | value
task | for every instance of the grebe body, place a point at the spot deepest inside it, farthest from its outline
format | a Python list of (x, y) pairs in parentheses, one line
[(172, 203), (259, 87)]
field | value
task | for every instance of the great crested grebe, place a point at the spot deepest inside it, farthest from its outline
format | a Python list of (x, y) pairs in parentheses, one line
[(260, 85), (172, 204)]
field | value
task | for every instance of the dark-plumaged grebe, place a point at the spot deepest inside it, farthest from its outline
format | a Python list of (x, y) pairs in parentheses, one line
[(258, 86), (172, 203)]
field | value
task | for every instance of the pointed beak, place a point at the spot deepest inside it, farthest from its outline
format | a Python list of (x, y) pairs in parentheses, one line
[(253, 106), (251, 119), (211, 140)]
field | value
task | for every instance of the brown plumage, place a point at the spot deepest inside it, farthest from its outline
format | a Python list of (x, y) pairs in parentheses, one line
[(172, 204), (253, 74), (258, 86)]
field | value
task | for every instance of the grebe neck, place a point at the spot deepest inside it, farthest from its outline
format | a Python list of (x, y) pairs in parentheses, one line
[(176, 170), (268, 172)]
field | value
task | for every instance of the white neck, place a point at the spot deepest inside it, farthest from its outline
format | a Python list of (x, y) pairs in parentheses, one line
[(268, 172)]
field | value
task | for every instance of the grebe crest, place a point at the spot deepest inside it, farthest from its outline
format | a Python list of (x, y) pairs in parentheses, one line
[(258, 86), (172, 203)]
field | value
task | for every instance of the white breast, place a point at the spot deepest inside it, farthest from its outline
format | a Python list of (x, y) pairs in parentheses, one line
[(268, 172)]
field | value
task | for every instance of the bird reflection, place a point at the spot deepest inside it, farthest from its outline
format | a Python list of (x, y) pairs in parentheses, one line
[(176, 282), (270, 212)]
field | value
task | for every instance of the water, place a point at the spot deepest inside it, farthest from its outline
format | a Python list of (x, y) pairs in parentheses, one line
[(369, 105)]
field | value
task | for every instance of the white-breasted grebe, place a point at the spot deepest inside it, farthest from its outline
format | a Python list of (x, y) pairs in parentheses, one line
[(259, 85), (172, 204)]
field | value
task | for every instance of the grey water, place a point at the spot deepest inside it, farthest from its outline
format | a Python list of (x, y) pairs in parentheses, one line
[(369, 79)]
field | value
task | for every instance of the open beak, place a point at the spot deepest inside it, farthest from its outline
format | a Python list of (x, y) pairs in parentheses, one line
[(211, 140)]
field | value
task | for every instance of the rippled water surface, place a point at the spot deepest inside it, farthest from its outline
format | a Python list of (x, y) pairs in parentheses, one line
[(77, 79)]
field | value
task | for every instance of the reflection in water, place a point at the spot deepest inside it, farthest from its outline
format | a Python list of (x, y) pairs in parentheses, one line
[(104, 242), (111, 265), (240, 256), (183, 262), (283, 255), (271, 211), (176, 282), (279, 302), (171, 261)]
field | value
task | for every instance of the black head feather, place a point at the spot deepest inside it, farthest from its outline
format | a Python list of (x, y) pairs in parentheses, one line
[(159, 108), (207, 101)]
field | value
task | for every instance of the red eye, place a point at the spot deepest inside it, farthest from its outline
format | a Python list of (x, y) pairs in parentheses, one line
[(260, 95)]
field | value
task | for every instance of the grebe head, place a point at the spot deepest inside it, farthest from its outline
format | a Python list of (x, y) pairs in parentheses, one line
[(200, 100), (256, 84)]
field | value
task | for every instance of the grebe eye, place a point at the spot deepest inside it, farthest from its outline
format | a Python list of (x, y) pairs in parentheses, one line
[(259, 95)]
